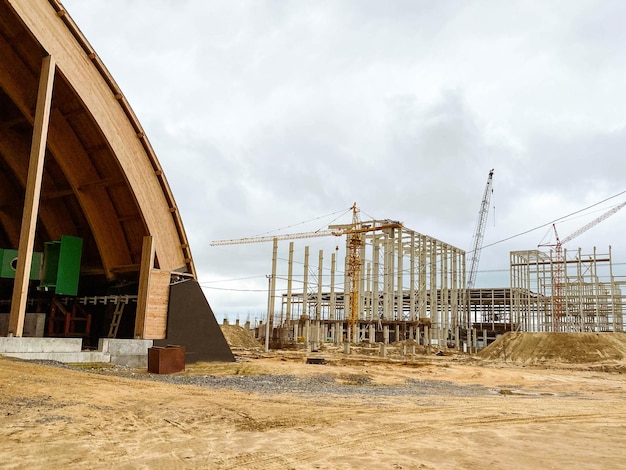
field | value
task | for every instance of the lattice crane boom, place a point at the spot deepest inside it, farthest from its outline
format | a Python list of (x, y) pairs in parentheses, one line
[(285, 236), (559, 263), (479, 233), (593, 223)]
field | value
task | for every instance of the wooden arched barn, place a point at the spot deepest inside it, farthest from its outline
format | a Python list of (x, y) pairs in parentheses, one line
[(92, 244)]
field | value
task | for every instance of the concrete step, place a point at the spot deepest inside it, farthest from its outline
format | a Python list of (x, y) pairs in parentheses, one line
[(40, 345), (65, 357)]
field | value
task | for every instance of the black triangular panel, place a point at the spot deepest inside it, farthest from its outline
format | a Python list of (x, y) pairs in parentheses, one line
[(191, 323)]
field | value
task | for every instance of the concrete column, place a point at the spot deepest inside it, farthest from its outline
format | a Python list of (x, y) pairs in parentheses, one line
[(398, 333), (289, 283), (412, 280), (318, 305), (333, 298), (375, 273), (386, 334), (305, 284), (469, 340), (307, 334), (372, 333), (484, 338), (383, 350), (399, 290)]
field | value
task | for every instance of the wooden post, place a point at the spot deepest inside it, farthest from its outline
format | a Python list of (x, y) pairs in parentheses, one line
[(31, 199), (147, 264)]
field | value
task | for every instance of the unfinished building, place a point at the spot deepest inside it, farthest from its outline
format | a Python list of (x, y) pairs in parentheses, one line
[(409, 286), (403, 286), (572, 292)]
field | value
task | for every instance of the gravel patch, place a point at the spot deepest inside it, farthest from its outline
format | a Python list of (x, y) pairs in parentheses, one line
[(322, 385)]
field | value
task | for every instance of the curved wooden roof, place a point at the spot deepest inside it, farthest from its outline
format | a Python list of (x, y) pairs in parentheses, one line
[(102, 180)]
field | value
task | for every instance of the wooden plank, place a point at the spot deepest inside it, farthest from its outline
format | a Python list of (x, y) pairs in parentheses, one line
[(157, 305), (31, 203), (147, 265)]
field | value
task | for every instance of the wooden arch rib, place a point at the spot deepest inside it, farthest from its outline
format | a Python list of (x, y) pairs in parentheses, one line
[(13, 148), (86, 75), (64, 145)]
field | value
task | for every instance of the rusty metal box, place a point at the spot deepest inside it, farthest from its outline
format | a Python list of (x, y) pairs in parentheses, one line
[(166, 360)]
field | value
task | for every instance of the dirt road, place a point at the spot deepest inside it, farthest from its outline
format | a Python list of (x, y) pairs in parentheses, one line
[(278, 412)]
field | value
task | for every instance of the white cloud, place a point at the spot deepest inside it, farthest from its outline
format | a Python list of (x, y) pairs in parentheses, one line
[(264, 114)]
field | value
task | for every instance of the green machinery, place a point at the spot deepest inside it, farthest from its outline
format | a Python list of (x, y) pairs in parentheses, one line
[(8, 264), (58, 267), (61, 265)]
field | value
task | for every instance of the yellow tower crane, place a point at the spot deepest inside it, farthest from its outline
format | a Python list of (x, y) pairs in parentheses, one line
[(354, 244)]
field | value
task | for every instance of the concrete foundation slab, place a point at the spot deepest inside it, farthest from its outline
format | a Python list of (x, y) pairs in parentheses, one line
[(126, 352), (40, 345), (64, 357)]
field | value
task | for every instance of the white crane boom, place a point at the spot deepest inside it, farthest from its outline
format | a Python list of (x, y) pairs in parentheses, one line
[(558, 275), (593, 223), (479, 234), (285, 236)]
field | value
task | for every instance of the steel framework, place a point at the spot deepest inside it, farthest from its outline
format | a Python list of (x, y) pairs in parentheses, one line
[(588, 296)]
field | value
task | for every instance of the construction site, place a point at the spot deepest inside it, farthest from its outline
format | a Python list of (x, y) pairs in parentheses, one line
[(395, 284), (381, 351)]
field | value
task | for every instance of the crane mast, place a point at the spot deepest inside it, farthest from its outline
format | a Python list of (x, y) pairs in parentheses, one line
[(479, 234), (354, 243)]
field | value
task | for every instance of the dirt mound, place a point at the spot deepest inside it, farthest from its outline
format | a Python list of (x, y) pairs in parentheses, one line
[(239, 338), (574, 348)]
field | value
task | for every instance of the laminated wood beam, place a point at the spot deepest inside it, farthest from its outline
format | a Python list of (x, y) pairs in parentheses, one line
[(147, 263), (31, 202)]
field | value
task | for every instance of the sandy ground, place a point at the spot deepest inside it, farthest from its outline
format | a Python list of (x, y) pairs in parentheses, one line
[(526, 417)]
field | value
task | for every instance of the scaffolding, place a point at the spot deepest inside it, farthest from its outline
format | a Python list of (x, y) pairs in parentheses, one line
[(588, 297), (411, 286)]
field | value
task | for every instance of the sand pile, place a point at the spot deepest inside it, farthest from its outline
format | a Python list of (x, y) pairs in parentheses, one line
[(574, 348), (239, 338)]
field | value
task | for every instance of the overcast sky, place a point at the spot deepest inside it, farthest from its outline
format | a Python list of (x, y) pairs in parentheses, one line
[(265, 114)]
